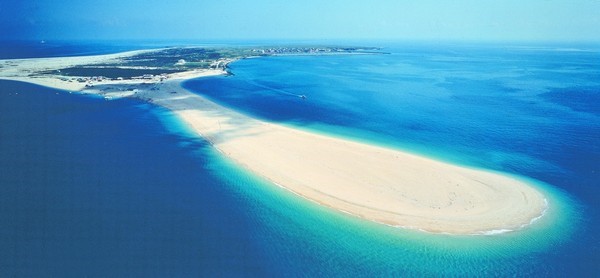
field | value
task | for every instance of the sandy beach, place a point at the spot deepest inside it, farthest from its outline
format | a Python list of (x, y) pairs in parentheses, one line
[(374, 183)]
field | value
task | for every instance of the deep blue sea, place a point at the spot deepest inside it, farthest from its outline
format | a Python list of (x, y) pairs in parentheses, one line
[(99, 188)]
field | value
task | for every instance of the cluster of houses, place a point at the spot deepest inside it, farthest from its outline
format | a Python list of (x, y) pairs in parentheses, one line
[(301, 50)]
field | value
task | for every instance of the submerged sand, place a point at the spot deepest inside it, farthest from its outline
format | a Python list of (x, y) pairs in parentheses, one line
[(375, 183)]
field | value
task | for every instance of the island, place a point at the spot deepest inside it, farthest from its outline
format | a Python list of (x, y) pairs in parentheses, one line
[(378, 184)]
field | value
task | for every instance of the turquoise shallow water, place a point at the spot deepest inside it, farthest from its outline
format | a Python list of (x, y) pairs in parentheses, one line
[(115, 188)]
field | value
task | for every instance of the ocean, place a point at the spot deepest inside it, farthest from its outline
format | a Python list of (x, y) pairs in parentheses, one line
[(90, 187)]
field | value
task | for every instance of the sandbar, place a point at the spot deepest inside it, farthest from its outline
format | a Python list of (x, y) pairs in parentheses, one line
[(379, 184)]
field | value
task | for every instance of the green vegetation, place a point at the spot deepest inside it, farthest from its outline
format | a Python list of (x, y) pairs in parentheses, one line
[(111, 72)]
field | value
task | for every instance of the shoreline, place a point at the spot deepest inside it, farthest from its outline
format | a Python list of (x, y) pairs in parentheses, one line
[(382, 185)]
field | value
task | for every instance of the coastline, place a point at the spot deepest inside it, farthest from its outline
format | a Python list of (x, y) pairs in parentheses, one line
[(378, 184)]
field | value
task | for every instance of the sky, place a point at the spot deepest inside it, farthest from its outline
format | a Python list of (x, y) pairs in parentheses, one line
[(483, 20)]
